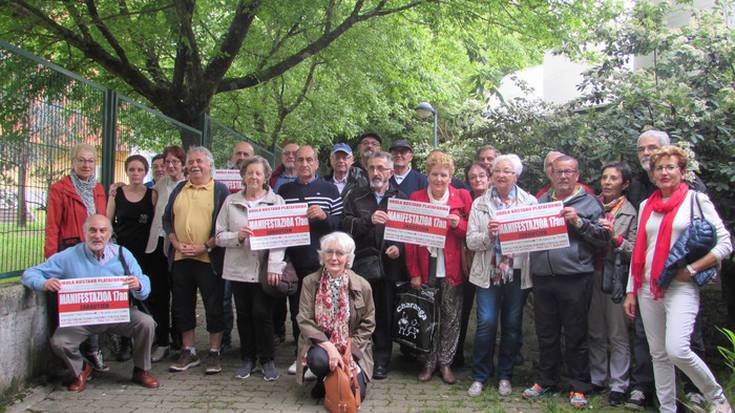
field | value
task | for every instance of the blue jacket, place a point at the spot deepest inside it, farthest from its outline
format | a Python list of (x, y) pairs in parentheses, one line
[(78, 262)]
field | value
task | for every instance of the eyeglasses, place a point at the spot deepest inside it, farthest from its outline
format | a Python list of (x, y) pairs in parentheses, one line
[(667, 168), (378, 169), (563, 172), (336, 253), (85, 161), (503, 172), (477, 177), (172, 162)]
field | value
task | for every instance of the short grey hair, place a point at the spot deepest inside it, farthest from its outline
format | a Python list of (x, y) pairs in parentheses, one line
[(205, 151), (381, 154), (513, 159), (85, 226), (663, 137), (83, 147), (267, 170), (343, 241)]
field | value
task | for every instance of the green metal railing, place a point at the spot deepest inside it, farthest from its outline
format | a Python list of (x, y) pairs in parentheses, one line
[(44, 111)]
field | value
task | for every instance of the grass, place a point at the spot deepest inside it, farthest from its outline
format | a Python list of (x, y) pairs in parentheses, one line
[(22, 247)]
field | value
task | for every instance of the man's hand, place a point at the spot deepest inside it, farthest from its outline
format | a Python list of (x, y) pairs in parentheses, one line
[(274, 278), (379, 217), (316, 212), (492, 228), (244, 232), (191, 250), (133, 283), (453, 220), (416, 282), (52, 284), (570, 215), (629, 305), (392, 252)]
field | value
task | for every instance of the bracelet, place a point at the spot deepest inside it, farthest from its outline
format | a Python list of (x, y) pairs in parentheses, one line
[(691, 270)]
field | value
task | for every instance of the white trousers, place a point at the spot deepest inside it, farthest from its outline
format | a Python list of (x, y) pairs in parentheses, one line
[(608, 332), (669, 322)]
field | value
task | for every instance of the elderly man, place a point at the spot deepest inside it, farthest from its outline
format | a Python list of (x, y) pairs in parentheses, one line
[(486, 154), (549, 170), (286, 171), (562, 282), (344, 175), (194, 259), (405, 178), (97, 257), (368, 143), (379, 260), (324, 213), (240, 152), (641, 374)]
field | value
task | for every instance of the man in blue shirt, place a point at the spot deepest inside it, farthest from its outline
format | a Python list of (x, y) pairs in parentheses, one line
[(97, 257)]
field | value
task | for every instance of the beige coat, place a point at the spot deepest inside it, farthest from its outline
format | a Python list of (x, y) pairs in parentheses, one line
[(241, 263), (163, 188), (362, 322)]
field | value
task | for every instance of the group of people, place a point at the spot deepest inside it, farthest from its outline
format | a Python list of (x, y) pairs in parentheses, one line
[(189, 233)]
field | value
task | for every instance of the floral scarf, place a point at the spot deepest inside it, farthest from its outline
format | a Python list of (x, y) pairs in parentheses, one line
[(85, 189), (502, 265), (332, 308)]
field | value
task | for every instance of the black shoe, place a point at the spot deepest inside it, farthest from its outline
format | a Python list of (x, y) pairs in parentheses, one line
[(125, 352), (615, 398), (597, 389), (380, 373), (318, 391)]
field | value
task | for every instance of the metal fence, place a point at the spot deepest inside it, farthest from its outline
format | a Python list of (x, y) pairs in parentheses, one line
[(44, 111)]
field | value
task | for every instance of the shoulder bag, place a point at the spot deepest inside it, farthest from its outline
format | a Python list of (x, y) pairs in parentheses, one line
[(342, 393)]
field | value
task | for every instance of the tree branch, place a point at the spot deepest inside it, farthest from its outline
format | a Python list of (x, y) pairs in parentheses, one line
[(102, 27), (185, 14)]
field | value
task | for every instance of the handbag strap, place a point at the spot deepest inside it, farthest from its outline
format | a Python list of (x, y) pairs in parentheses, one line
[(345, 358), (691, 206)]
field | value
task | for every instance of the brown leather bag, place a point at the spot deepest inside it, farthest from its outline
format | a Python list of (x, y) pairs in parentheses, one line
[(339, 397)]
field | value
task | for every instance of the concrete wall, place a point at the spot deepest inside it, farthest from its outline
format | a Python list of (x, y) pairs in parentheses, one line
[(24, 350)]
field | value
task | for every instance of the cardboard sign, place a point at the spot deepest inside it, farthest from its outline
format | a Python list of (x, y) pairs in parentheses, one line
[(91, 301), (229, 177), (419, 223), (532, 228), (279, 226)]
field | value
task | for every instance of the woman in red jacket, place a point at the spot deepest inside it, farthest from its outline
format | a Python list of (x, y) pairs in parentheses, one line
[(441, 267), (70, 201)]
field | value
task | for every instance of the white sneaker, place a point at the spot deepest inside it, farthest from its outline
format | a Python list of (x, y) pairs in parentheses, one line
[(292, 368), (695, 402), (309, 375), (475, 389), (720, 406), (504, 388)]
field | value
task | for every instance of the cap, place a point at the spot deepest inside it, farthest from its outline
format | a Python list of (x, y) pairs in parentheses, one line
[(341, 147), (370, 135), (401, 144)]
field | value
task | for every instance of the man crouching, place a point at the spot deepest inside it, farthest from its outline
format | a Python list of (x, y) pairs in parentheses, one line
[(97, 257)]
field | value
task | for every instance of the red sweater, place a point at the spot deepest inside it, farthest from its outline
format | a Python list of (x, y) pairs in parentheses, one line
[(417, 257), (66, 213)]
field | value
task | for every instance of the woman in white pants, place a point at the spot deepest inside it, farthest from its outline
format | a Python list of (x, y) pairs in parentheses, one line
[(668, 315)]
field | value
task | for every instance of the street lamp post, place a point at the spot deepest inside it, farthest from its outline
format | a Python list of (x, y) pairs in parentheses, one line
[(424, 110)]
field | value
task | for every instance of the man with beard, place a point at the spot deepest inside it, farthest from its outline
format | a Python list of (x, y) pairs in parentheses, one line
[(364, 218)]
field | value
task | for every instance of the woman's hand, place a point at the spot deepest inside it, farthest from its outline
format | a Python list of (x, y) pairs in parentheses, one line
[(629, 305), (273, 278), (244, 232), (335, 359), (609, 225), (492, 228), (416, 282), (453, 220)]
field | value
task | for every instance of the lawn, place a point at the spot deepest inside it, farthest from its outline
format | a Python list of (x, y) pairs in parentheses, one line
[(22, 247)]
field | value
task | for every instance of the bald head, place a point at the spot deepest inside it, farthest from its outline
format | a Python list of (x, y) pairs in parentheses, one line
[(97, 232), (306, 163)]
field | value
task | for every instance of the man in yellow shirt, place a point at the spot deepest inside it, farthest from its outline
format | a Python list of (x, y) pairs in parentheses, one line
[(194, 259)]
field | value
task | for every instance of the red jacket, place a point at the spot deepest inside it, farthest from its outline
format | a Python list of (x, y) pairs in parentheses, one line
[(417, 257), (66, 213)]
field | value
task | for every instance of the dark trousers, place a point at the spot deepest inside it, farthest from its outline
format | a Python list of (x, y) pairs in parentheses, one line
[(318, 362), (468, 300), (187, 276), (641, 373), (561, 305), (383, 297), (159, 300), (229, 317), (254, 321), (280, 310)]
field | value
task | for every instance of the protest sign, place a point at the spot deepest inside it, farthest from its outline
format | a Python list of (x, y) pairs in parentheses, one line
[(89, 301), (229, 177), (419, 223), (278, 226), (532, 228)]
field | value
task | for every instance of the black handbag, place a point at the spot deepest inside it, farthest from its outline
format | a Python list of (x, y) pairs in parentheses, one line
[(370, 266), (615, 282), (287, 284), (416, 317)]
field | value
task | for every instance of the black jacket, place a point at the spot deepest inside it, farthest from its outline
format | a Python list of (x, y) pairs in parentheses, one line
[(357, 221), (641, 188), (356, 178)]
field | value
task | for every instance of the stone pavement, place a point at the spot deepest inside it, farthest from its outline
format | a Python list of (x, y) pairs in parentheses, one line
[(193, 391)]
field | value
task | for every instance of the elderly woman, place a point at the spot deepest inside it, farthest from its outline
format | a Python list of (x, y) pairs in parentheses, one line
[(70, 201), (500, 278), (441, 267), (243, 266), (159, 301), (336, 306), (607, 326), (668, 314)]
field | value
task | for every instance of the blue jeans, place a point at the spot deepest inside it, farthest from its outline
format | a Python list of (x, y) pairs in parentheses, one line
[(505, 300)]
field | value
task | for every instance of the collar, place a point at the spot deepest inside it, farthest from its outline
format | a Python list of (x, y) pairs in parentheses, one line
[(298, 181), (108, 253), (404, 175), (209, 185), (340, 181)]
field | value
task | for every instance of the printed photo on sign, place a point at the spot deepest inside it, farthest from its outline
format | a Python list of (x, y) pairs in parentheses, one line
[(532, 228), (229, 177), (419, 223), (279, 226), (91, 301)]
